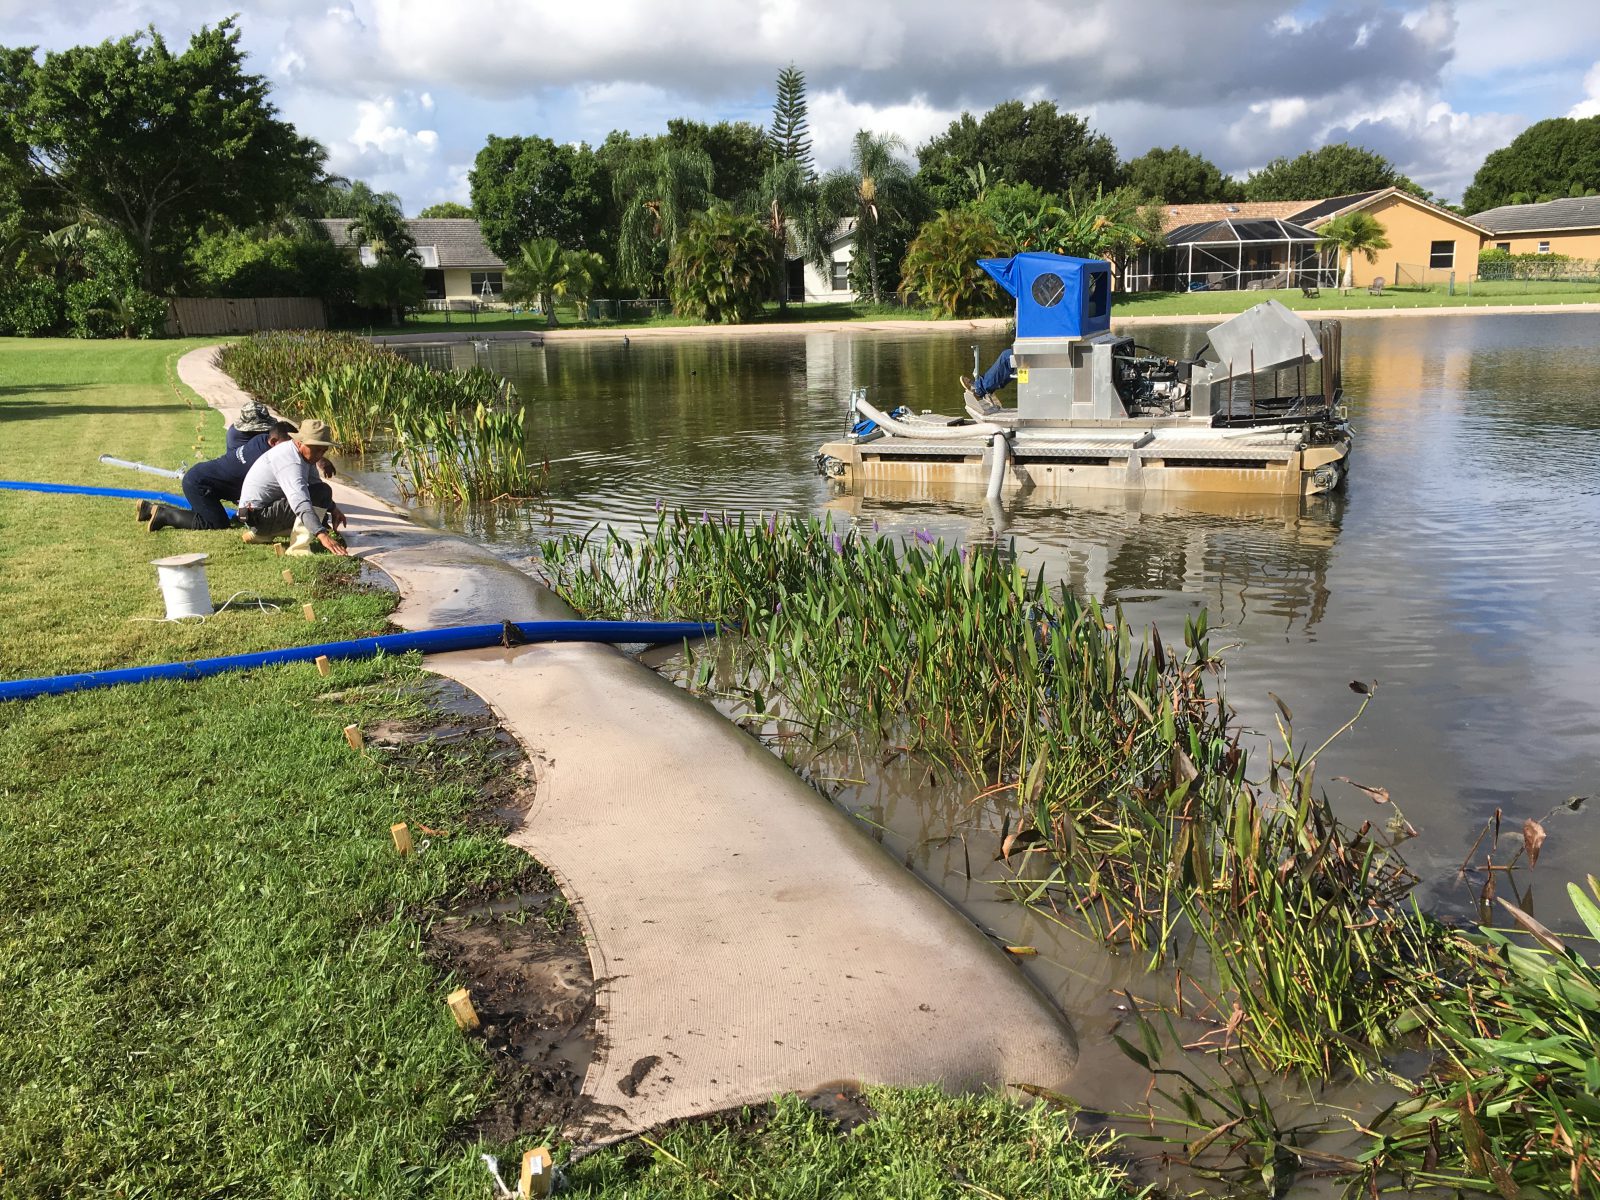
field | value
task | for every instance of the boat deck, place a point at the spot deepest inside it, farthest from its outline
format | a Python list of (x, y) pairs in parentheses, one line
[(1068, 449)]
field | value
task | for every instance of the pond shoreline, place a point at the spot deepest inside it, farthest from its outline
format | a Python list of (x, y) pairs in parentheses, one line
[(967, 325)]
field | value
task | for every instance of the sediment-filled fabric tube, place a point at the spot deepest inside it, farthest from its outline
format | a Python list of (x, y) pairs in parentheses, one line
[(427, 641)]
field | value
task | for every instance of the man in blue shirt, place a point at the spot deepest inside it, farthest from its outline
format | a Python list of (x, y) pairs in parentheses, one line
[(208, 485)]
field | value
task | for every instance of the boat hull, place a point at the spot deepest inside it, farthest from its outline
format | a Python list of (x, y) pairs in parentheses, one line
[(1192, 466)]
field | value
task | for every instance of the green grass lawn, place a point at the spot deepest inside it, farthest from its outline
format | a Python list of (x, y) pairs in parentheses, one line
[(567, 318), (211, 955)]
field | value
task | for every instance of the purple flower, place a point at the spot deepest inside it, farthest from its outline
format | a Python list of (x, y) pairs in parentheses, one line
[(660, 504), (772, 525), (924, 536), (777, 606), (838, 544), (874, 527), (963, 554)]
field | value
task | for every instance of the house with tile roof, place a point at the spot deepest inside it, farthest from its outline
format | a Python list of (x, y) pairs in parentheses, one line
[(1273, 244), (457, 263), (1567, 226)]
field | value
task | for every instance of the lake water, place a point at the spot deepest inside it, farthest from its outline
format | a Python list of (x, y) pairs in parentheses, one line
[(1459, 569)]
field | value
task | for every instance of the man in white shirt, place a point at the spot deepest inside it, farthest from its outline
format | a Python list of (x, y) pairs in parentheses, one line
[(277, 492)]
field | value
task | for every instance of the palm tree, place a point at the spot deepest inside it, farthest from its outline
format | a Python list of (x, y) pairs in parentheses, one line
[(536, 274), (787, 197), (659, 189), (868, 190), (1352, 233), (721, 269), (581, 272)]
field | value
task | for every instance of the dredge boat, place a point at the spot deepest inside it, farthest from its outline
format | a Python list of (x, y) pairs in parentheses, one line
[(1260, 416)]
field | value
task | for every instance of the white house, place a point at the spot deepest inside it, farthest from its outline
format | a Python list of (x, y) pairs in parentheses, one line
[(811, 284), (456, 262)]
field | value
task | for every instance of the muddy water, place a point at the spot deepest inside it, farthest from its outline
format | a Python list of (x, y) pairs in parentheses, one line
[(1460, 569)]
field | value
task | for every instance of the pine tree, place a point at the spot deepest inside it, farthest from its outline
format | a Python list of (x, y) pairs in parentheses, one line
[(790, 137)]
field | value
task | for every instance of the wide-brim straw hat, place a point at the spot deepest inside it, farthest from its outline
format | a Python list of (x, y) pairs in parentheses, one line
[(315, 433)]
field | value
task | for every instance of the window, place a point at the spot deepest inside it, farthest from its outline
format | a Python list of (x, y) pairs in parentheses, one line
[(1544, 247), (1442, 254), (1048, 290), (487, 283), (1505, 246), (841, 275)]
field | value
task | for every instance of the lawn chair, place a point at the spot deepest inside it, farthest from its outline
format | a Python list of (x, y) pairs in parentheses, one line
[(1376, 287), (1310, 291)]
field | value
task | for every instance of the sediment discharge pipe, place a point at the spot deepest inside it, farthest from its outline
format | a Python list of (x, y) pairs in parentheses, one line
[(1001, 445), (911, 430), (427, 641)]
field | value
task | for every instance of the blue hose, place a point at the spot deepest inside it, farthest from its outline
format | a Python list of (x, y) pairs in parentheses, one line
[(73, 489), (427, 641)]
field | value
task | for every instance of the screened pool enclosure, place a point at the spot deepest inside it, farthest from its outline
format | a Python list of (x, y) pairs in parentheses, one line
[(1234, 254)]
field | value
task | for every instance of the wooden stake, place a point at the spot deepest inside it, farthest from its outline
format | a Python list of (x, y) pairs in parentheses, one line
[(352, 734), (277, 548), (401, 833), (288, 575), (322, 665), (461, 1009), (311, 613), (537, 1176)]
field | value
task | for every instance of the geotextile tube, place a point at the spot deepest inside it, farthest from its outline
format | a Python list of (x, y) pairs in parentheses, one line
[(427, 641)]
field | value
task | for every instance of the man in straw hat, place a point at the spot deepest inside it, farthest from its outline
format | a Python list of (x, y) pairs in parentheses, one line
[(277, 491)]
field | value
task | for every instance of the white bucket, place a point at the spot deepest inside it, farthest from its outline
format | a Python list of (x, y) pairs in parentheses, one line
[(183, 585)]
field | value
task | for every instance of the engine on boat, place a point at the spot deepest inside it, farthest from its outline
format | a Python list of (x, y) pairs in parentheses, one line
[(1150, 385)]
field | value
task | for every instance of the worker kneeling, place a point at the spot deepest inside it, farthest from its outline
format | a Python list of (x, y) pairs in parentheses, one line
[(277, 491)]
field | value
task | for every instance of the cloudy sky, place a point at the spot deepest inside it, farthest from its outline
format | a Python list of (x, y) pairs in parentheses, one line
[(403, 92)]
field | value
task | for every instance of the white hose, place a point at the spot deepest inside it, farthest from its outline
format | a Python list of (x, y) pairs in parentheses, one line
[(997, 472), (139, 466), (928, 432)]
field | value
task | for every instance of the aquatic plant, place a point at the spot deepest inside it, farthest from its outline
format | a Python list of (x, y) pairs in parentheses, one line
[(450, 435), (1127, 805), (1108, 752)]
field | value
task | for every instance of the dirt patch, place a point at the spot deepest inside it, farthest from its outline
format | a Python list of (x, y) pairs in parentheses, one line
[(514, 944)]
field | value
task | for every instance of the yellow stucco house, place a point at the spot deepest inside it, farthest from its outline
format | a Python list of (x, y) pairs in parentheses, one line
[(1570, 227), (1427, 243), (457, 264)]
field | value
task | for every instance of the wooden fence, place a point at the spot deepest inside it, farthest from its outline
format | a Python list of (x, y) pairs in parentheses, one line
[(188, 317)]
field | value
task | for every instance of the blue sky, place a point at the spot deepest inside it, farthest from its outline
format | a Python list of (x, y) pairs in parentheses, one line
[(403, 92)]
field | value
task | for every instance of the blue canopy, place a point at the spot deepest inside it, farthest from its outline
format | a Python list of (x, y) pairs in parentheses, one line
[(1056, 296)]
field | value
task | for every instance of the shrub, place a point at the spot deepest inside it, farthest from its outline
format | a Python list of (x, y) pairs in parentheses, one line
[(101, 308), (721, 268), (30, 306), (941, 268), (237, 264)]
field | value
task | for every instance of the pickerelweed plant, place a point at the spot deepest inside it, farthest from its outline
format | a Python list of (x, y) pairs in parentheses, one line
[(1129, 812), (450, 435)]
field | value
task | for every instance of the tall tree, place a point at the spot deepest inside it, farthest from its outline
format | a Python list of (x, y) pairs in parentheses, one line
[(1337, 169), (785, 197), (868, 191), (1178, 176), (445, 210), (525, 188), (1547, 160), (156, 144), (1017, 143), (659, 188), (738, 152), (1352, 234), (336, 196), (790, 135)]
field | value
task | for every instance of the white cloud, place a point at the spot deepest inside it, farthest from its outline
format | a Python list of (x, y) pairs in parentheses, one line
[(380, 147), (834, 119), (1589, 106)]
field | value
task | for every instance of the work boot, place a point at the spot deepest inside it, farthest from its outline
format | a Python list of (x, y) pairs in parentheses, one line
[(165, 517), (967, 384), (251, 538), (141, 511)]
